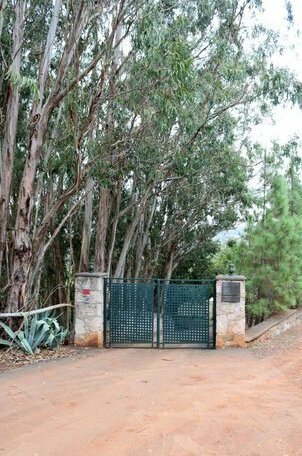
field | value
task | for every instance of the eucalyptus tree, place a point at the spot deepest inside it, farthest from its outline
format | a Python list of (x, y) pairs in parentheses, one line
[(194, 88), (123, 127), (48, 42)]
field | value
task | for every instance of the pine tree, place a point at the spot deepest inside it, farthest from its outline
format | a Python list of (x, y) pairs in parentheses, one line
[(272, 259)]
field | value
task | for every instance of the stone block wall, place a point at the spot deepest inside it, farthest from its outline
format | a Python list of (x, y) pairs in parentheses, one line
[(274, 326), (230, 316), (89, 309)]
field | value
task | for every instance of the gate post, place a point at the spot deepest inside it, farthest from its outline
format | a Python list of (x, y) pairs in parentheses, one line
[(89, 309), (230, 311)]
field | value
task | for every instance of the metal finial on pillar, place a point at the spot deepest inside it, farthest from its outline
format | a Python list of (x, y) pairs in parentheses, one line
[(91, 266), (231, 268)]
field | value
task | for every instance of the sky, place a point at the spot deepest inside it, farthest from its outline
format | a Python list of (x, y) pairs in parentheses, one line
[(287, 120)]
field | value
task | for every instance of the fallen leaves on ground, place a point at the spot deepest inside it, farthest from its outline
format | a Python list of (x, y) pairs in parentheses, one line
[(12, 358)]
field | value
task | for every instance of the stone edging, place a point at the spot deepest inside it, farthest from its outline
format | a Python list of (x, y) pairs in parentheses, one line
[(277, 324)]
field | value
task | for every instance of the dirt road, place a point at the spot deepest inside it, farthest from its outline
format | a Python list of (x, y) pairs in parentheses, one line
[(156, 402)]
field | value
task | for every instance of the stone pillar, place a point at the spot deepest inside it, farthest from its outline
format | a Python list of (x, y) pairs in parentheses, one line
[(89, 309), (230, 311)]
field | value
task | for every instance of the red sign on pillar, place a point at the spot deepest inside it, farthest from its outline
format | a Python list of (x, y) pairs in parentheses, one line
[(86, 294)]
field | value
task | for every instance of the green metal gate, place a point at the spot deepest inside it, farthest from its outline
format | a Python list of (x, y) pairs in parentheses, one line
[(159, 313)]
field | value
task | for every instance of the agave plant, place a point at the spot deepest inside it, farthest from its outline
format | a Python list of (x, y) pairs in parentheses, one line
[(37, 332)]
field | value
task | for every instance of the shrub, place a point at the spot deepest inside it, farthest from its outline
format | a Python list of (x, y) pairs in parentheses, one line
[(44, 331)]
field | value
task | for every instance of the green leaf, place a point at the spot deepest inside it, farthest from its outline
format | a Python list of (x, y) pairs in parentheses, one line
[(8, 330), (26, 326), (33, 328), (42, 336), (5, 342), (25, 345)]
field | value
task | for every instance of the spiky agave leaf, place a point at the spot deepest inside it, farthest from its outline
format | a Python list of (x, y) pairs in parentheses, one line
[(41, 335), (8, 330), (24, 343), (5, 342), (43, 332)]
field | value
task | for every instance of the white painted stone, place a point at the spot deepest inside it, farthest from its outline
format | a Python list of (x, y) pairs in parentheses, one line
[(89, 309), (222, 324), (230, 316)]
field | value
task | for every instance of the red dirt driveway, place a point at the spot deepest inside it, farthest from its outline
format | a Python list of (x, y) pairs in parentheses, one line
[(127, 402)]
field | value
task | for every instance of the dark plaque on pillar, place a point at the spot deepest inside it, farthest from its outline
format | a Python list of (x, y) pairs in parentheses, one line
[(230, 291)]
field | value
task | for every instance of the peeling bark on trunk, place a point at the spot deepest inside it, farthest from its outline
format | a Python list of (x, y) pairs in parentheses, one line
[(22, 249), (86, 234), (102, 229), (22, 242), (7, 148)]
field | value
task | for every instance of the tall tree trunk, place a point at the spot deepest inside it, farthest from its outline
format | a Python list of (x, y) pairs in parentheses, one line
[(105, 195), (151, 263), (86, 234), (2, 8), (22, 249), (143, 242), (41, 246), (22, 237), (119, 272), (170, 264), (10, 128), (32, 298), (114, 226), (102, 229), (59, 268)]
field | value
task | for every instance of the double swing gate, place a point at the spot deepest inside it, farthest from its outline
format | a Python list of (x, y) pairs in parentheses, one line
[(159, 313)]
